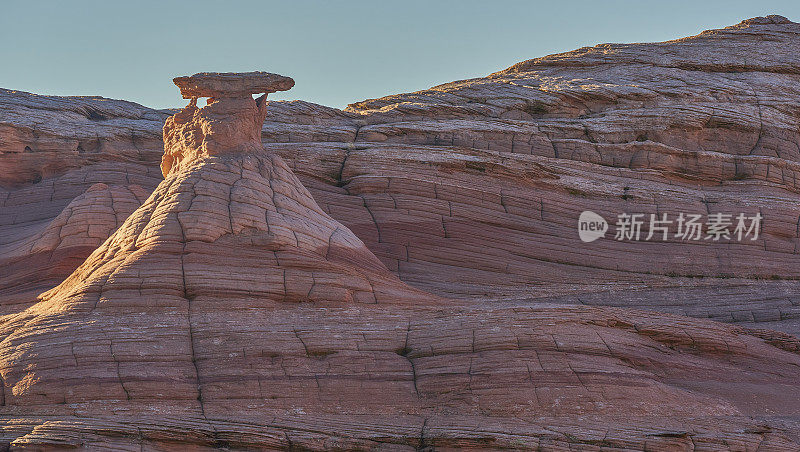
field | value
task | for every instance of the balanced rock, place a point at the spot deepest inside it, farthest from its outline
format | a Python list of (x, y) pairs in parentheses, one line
[(230, 123), (231, 84)]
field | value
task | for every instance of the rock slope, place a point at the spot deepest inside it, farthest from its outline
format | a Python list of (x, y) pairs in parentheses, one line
[(53, 151), (469, 191), (474, 188), (230, 311)]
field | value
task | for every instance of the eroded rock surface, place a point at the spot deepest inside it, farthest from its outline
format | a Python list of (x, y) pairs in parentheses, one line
[(36, 261), (233, 289), (229, 124), (52, 151), (231, 84)]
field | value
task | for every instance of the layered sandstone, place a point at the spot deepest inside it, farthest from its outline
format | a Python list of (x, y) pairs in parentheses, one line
[(469, 190), (53, 150), (38, 260), (229, 124), (231, 84), (230, 298)]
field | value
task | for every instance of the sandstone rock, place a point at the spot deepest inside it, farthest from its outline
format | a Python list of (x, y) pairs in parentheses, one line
[(52, 150), (231, 84), (702, 124), (237, 309), (45, 137), (230, 123), (627, 128), (37, 256)]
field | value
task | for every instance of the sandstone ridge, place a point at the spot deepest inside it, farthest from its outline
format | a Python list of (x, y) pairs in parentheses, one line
[(253, 300)]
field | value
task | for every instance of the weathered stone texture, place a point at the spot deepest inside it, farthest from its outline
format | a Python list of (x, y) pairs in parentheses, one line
[(407, 273)]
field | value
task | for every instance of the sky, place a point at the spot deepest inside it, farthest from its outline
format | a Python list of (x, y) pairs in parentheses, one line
[(338, 52)]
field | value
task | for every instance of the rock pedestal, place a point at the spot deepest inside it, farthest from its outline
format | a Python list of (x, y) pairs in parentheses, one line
[(231, 121)]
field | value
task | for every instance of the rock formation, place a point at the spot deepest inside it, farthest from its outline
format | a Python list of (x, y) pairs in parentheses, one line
[(422, 178), (53, 150), (37, 260), (229, 124), (242, 306)]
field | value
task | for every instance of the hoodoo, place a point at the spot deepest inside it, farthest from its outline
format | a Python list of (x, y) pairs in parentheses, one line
[(231, 121)]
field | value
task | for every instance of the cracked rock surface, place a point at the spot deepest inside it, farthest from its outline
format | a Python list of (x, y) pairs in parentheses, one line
[(231, 84), (406, 273)]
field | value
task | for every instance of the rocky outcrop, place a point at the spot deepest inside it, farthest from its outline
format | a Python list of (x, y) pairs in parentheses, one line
[(37, 256), (453, 176), (243, 306), (230, 311), (44, 137), (229, 124), (53, 150), (617, 128)]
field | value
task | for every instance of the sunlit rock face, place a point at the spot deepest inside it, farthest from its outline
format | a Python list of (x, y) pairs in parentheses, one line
[(229, 124), (407, 273), (53, 150)]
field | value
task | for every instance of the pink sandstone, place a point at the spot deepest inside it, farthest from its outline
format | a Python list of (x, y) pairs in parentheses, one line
[(257, 303)]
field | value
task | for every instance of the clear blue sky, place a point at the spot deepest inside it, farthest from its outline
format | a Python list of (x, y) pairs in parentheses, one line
[(338, 52)]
